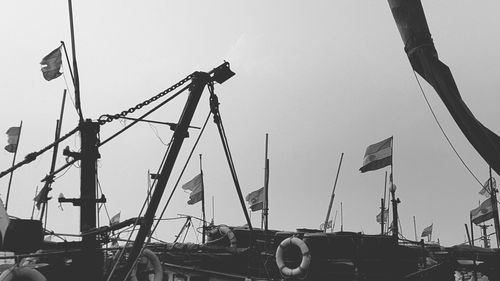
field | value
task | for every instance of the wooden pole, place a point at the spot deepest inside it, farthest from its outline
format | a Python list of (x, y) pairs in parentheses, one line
[(471, 230), (34, 203), (13, 162), (76, 82), (382, 209), (202, 202), (385, 200), (48, 183), (341, 218), (415, 227), (333, 193)]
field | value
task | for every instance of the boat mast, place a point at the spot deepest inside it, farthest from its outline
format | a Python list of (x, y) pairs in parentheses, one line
[(333, 194), (265, 213)]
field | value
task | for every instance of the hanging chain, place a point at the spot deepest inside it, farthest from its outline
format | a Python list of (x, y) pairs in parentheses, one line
[(107, 118)]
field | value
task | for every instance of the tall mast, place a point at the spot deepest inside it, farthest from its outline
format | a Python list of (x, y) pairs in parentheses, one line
[(76, 82), (333, 193), (265, 213), (202, 203)]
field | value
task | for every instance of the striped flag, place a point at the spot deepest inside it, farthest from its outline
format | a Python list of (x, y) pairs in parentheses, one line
[(256, 199), (377, 156), (195, 186), (427, 231), (12, 139), (482, 213)]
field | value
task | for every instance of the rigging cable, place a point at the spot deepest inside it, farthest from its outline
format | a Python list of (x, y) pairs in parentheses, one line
[(182, 172), (442, 130), (138, 218)]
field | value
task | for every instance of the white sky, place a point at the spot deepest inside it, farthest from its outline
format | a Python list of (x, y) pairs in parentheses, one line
[(321, 77)]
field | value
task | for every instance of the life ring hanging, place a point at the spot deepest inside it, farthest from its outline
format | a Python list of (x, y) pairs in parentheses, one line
[(304, 264), (22, 273), (154, 260)]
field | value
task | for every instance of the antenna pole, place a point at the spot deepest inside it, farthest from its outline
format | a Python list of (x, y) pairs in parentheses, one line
[(333, 193)]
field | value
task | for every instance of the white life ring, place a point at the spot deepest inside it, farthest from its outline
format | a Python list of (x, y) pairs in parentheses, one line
[(224, 230), (22, 273), (304, 264), (154, 261)]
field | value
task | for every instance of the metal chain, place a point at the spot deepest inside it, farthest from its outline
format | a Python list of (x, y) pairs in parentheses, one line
[(107, 118)]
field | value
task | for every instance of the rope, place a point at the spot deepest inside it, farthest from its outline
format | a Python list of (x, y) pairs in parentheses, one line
[(442, 130)]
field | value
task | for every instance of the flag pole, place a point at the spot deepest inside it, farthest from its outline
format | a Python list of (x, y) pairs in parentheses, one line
[(395, 230), (341, 218), (415, 227), (494, 203), (202, 203), (48, 183), (13, 162), (383, 204), (471, 229), (333, 193), (382, 209), (33, 209), (76, 81), (266, 188)]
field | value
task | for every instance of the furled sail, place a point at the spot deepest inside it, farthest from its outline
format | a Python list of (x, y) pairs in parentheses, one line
[(412, 25)]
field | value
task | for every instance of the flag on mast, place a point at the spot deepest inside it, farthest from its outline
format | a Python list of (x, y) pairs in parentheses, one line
[(256, 199), (427, 231), (195, 186), (377, 156), (386, 216), (490, 184), (51, 64), (482, 213), (12, 139)]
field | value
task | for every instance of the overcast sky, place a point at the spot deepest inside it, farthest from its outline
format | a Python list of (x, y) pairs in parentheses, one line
[(321, 77)]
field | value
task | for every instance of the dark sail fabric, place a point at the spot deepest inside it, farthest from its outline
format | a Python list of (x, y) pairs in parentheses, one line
[(410, 19)]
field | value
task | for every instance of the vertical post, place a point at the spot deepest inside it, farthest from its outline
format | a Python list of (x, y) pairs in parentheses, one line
[(266, 187), (494, 202), (13, 162), (485, 235), (385, 200), (471, 230), (76, 82), (213, 211), (382, 209), (341, 218), (91, 261), (468, 236), (333, 193), (415, 227), (202, 203), (34, 203)]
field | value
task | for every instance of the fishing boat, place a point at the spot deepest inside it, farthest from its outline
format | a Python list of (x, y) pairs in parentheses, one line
[(236, 252)]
